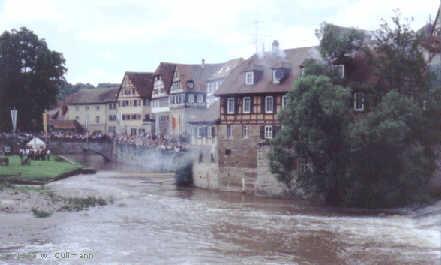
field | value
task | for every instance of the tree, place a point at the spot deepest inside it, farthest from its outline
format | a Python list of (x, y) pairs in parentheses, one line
[(399, 62), (313, 129), (337, 41), (382, 158), (30, 77)]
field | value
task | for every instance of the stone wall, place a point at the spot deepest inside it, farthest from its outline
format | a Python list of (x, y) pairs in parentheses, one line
[(205, 169), (241, 165), (267, 183)]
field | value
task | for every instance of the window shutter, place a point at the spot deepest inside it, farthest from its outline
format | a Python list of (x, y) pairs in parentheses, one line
[(225, 100), (262, 104), (262, 132), (213, 131), (252, 104), (275, 104)]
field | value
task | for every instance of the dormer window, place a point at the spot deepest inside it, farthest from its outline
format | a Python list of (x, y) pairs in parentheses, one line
[(278, 75), (249, 78)]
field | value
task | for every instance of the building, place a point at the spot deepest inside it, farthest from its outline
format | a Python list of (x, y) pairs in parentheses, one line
[(134, 104), (203, 130), (250, 99), (162, 81), (180, 94), (93, 109), (218, 77)]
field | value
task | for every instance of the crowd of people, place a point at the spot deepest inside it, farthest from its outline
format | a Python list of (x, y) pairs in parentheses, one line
[(34, 154), (164, 143)]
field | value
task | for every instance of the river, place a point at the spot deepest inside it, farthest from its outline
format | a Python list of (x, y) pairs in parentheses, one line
[(153, 222)]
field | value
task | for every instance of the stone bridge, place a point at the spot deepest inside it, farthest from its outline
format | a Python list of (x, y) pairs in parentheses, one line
[(104, 149), (147, 158)]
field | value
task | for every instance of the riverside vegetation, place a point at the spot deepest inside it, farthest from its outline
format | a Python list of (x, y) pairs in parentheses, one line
[(44, 202), (381, 157)]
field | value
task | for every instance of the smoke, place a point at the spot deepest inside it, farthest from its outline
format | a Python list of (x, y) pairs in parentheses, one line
[(154, 160)]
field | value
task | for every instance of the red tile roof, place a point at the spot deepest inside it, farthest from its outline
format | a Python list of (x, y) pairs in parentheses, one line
[(290, 59), (142, 81)]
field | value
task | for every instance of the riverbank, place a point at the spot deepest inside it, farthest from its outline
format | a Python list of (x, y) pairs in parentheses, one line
[(42, 201), (40, 172)]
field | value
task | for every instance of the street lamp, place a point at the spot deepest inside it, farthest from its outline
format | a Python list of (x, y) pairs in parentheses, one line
[(14, 119)]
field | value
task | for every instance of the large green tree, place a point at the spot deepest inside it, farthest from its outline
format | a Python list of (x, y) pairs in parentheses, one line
[(30, 76), (381, 158)]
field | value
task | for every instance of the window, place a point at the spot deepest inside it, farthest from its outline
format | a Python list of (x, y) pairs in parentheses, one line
[(112, 117), (230, 105), (302, 165), (135, 103), (133, 132), (77, 108), (200, 98), (269, 104), (245, 131), (359, 101), (97, 119), (200, 132), (340, 70), (208, 130), (191, 98), (77, 117), (246, 105), (249, 78), (87, 107), (229, 131), (112, 106), (268, 131), (97, 107), (278, 75), (112, 129), (284, 101), (146, 102)]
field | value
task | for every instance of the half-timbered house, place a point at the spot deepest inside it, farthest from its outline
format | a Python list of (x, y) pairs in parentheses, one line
[(250, 99)]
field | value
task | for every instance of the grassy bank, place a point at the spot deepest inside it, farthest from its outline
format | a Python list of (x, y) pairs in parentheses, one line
[(38, 170)]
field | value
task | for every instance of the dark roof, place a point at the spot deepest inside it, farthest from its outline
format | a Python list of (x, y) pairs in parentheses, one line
[(290, 59), (225, 69), (210, 116), (65, 124), (142, 81), (92, 96), (166, 70)]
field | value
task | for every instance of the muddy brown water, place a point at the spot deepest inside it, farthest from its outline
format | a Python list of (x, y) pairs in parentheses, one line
[(153, 222)]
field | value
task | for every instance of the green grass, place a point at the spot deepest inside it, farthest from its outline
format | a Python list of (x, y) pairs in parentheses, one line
[(38, 170)]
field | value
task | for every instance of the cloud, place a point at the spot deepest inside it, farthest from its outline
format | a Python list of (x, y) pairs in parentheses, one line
[(367, 14), (92, 33)]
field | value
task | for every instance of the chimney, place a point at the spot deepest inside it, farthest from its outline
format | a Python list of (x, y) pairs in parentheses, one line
[(203, 63), (275, 47)]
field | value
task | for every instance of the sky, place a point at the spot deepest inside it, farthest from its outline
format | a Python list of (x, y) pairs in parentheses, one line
[(101, 39)]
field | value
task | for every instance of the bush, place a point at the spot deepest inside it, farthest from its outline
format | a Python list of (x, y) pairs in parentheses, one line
[(40, 213)]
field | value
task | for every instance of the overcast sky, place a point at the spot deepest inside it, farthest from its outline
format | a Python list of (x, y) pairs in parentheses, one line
[(101, 39)]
